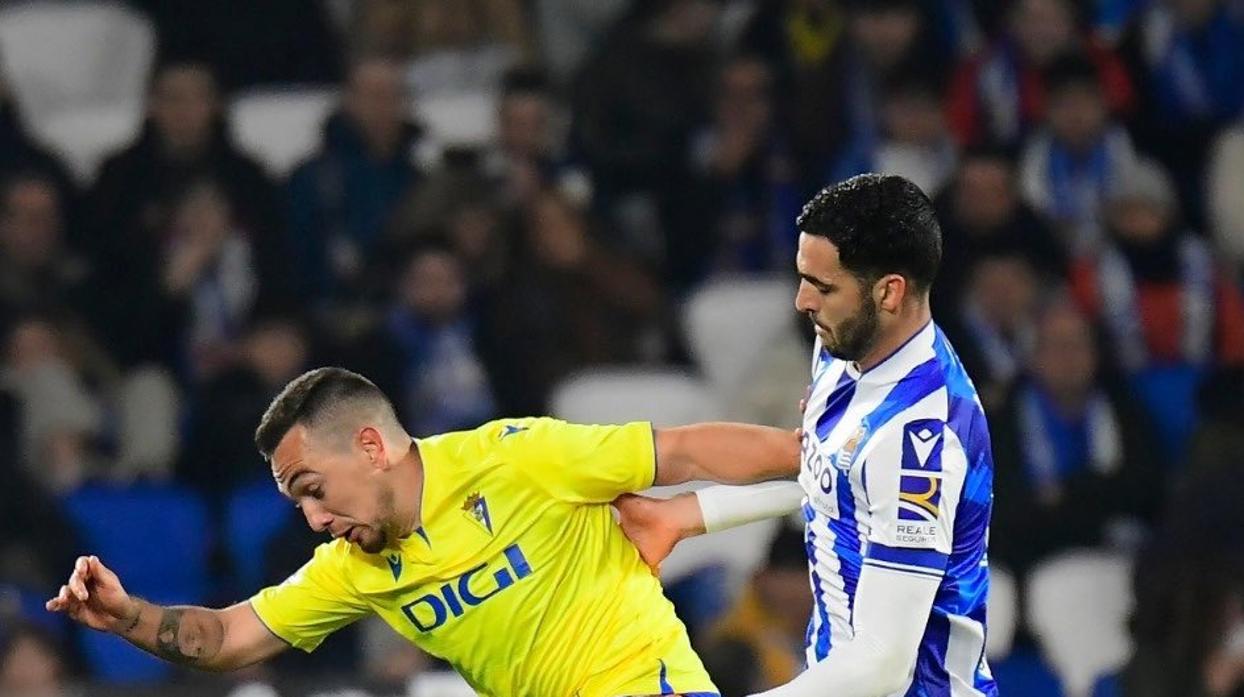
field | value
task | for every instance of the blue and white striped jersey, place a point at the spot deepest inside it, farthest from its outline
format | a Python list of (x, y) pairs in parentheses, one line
[(898, 474)]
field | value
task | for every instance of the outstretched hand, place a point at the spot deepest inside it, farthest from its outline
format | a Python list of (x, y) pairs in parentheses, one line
[(654, 525), (94, 597)]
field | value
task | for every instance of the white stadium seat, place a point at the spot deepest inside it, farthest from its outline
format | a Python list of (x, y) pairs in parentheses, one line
[(439, 683), (59, 56), (84, 136), (617, 395), (1078, 605), (730, 322), (460, 119), (281, 128), (1002, 612)]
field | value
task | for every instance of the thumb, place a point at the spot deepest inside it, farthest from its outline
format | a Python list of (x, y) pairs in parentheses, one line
[(627, 499), (100, 572)]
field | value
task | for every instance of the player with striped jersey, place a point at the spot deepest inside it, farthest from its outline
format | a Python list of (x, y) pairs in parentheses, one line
[(896, 475)]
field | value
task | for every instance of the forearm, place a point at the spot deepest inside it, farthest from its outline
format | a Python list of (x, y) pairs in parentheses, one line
[(891, 612), (728, 453), (193, 636)]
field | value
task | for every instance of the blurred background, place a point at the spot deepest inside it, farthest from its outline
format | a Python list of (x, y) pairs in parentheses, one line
[(586, 208)]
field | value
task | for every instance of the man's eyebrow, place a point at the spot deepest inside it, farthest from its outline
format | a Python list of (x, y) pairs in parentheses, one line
[(289, 485), (816, 281)]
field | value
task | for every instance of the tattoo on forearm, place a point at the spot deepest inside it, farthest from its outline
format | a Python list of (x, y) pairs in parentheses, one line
[(178, 643), (138, 614)]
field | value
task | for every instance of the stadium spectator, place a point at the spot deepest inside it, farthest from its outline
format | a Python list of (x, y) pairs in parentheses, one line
[(808, 44), (1187, 586), (1188, 57), (459, 202), (183, 307), (20, 153), (452, 46), (832, 60), (1077, 464), (567, 303), (218, 455), (35, 540), (1069, 165), (1170, 310), (993, 326), (912, 140), (758, 643), (61, 418), (567, 30), (738, 214), (635, 104), (39, 270), (185, 139), (981, 211), (529, 152), (341, 200), (423, 348), (1002, 94), (31, 664)]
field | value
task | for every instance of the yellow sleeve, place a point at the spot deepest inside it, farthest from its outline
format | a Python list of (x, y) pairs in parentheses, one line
[(314, 602), (582, 464)]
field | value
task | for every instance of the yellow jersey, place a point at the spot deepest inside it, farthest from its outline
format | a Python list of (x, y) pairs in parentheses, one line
[(519, 576)]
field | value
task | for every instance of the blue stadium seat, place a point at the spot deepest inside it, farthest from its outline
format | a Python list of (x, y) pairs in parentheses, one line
[(27, 604), (254, 514), (157, 538), (1024, 674), (1108, 686)]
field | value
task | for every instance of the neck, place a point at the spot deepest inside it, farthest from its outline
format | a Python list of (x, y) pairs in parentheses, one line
[(910, 321), (409, 503)]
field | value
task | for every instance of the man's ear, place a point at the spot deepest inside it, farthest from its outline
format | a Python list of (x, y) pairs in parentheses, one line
[(372, 444), (890, 291)]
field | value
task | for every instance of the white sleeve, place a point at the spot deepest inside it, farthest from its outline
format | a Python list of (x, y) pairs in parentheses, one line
[(891, 612), (725, 507)]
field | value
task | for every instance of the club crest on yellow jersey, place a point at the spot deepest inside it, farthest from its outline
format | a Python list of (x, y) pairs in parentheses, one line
[(475, 508)]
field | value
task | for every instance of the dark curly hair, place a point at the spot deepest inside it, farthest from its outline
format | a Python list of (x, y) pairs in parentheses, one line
[(880, 224)]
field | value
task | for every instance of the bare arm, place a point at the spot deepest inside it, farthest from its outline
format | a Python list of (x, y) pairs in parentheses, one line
[(215, 640), (728, 453)]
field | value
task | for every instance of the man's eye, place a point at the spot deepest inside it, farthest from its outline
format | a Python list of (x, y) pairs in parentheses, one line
[(316, 492)]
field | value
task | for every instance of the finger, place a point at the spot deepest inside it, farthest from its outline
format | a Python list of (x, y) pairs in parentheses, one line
[(78, 586), (63, 597)]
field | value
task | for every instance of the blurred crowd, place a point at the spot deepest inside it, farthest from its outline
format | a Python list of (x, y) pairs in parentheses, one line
[(1086, 159)]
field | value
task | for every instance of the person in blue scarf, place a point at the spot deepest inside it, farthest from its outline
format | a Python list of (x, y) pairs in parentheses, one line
[(1188, 59), (1075, 461)]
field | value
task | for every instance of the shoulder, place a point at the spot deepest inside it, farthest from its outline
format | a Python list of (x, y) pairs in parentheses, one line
[(500, 434), (331, 556)]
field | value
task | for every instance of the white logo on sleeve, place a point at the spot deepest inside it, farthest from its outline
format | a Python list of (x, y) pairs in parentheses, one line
[(922, 442)]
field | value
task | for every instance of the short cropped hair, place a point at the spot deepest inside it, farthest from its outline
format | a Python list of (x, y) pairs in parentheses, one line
[(317, 397)]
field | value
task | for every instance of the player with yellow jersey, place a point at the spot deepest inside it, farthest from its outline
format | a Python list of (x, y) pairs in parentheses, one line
[(495, 549)]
